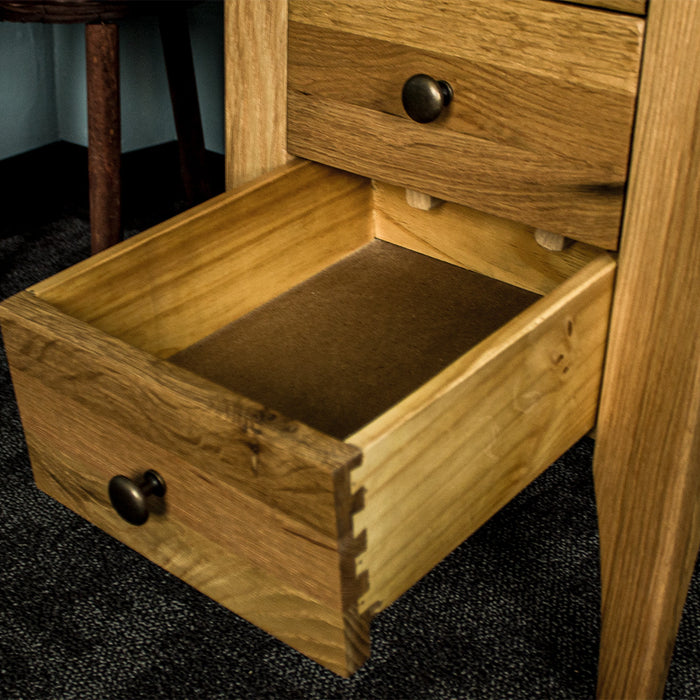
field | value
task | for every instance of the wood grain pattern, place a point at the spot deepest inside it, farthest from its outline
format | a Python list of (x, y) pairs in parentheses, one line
[(647, 462), (445, 459), (634, 7), (189, 276), (255, 61), (539, 127), (495, 247), (223, 514), (247, 482), (259, 596), (555, 40), (515, 106), (277, 461), (491, 177)]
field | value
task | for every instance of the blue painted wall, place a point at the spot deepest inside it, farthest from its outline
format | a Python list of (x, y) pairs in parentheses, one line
[(43, 92), (28, 115)]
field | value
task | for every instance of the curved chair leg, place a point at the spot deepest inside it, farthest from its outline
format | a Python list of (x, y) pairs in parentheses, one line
[(177, 50), (104, 134)]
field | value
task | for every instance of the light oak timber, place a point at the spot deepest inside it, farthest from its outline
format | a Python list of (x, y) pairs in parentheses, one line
[(267, 456), (647, 459), (514, 106), (440, 463), (287, 495), (195, 273), (502, 181), (634, 7), (261, 597), (255, 63), (86, 343), (540, 124), (554, 40), (224, 515), (504, 250), (264, 490)]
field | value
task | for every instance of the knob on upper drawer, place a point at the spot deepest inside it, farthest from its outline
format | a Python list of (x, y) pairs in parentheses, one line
[(424, 98)]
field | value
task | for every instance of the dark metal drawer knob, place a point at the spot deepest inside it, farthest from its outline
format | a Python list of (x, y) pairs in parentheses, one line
[(129, 498), (424, 98)]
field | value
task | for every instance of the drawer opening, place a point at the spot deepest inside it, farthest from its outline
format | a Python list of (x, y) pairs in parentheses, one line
[(344, 346), (184, 280)]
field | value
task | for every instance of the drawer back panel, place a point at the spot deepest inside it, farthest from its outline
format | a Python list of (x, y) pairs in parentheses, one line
[(539, 127)]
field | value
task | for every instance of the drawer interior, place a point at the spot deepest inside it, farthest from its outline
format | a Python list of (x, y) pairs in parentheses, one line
[(321, 295), (344, 346), (166, 290)]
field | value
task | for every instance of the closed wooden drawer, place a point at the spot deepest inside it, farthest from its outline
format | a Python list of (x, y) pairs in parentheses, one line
[(539, 126), (130, 361)]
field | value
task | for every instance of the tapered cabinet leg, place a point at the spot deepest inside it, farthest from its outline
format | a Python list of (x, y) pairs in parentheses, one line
[(647, 462), (104, 134)]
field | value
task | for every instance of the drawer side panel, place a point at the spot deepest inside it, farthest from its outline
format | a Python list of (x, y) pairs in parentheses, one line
[(451, 455)]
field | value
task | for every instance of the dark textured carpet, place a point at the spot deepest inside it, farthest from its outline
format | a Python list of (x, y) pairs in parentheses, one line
[(512, 613)]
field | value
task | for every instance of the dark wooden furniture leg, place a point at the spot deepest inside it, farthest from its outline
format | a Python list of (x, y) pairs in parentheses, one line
[(177, 50), (647, 463), (104, 134)]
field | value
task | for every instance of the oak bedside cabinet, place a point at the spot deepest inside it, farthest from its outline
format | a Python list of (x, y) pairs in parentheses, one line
[(457, 236)]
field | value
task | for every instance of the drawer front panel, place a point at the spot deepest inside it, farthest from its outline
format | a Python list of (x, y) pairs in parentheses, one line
[(539, 127), (251, 510)]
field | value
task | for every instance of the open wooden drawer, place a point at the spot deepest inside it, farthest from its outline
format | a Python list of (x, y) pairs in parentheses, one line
[(304, 533)]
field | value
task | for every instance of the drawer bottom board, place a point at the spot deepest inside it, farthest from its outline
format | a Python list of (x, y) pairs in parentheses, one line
[(343, 347)]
